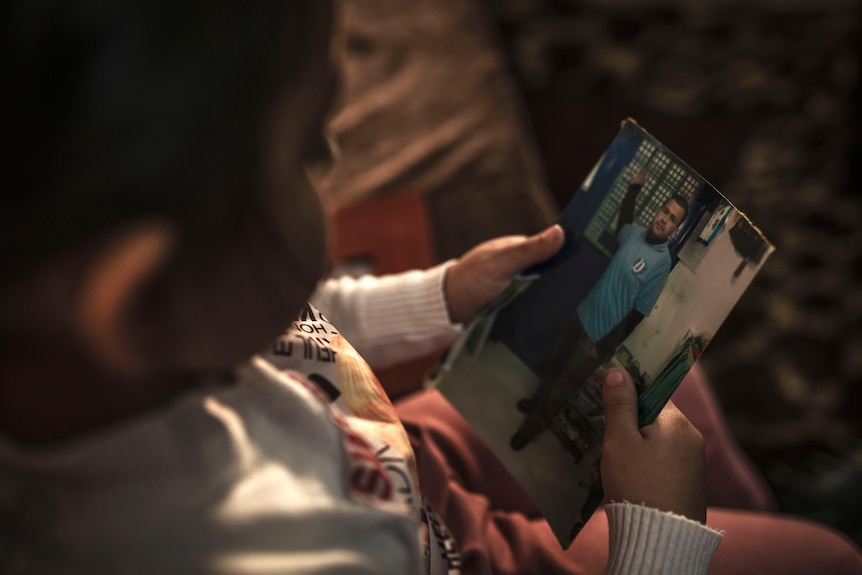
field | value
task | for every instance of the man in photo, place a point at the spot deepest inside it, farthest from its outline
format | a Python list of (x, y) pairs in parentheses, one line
[(623, 296)]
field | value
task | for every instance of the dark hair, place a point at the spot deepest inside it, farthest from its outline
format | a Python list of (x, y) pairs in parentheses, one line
[(113, 111), (683, 203)]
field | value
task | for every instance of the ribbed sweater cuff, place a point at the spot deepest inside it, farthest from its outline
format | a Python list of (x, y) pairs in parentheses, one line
[(411, 305), (646, 541)]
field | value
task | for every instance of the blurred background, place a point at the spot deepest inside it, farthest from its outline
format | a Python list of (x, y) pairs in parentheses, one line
[(763, 99), (489, 114)]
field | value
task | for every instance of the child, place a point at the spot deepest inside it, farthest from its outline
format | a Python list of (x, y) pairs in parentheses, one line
[(159, 232)]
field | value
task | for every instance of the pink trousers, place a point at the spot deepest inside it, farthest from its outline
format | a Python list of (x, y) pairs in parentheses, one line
[(499, 530)]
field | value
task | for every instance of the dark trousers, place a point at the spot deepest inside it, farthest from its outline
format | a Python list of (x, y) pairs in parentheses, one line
[(574, 358)]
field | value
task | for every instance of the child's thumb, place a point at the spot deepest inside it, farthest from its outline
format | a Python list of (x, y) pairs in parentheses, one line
[(532, 250), (621, 403)]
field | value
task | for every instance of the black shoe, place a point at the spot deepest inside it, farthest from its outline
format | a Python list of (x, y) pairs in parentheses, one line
[(518, 442)]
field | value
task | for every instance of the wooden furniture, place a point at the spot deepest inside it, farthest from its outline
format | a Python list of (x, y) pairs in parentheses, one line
[(391, 234)]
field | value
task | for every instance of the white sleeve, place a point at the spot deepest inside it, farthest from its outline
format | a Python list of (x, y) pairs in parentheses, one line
[(391, 318), (646, 541)]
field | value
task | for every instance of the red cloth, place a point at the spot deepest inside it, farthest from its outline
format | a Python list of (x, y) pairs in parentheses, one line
[(500, 531)]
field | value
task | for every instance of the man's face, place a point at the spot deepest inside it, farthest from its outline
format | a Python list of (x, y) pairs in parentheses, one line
[(667, 220)]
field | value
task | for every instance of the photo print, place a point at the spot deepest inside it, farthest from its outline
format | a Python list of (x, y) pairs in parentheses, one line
[(654, 260)]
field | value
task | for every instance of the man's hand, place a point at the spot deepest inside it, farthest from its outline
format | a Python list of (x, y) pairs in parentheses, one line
[(639, 177), (662, 465), (486, 271)]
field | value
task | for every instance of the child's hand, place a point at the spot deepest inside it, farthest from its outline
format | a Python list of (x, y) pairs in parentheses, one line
[(662, 465), (485, 271)]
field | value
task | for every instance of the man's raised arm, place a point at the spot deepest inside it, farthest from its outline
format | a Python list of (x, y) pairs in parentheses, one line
[(627, 208)]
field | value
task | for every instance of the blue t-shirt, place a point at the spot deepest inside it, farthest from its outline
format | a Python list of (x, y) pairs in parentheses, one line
[(633, 280)]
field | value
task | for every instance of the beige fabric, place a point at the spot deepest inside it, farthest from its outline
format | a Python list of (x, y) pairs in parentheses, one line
[(427, 104)]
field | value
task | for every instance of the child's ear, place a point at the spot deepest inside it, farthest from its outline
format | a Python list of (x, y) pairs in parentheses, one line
[(108, 286)]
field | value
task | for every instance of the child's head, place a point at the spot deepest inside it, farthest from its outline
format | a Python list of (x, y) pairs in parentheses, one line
[(157, 211)]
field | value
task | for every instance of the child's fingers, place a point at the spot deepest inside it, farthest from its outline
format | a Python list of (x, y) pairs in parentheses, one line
[(621, 405)]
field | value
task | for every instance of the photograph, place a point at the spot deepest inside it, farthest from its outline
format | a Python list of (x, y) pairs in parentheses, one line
[(655, 258)]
